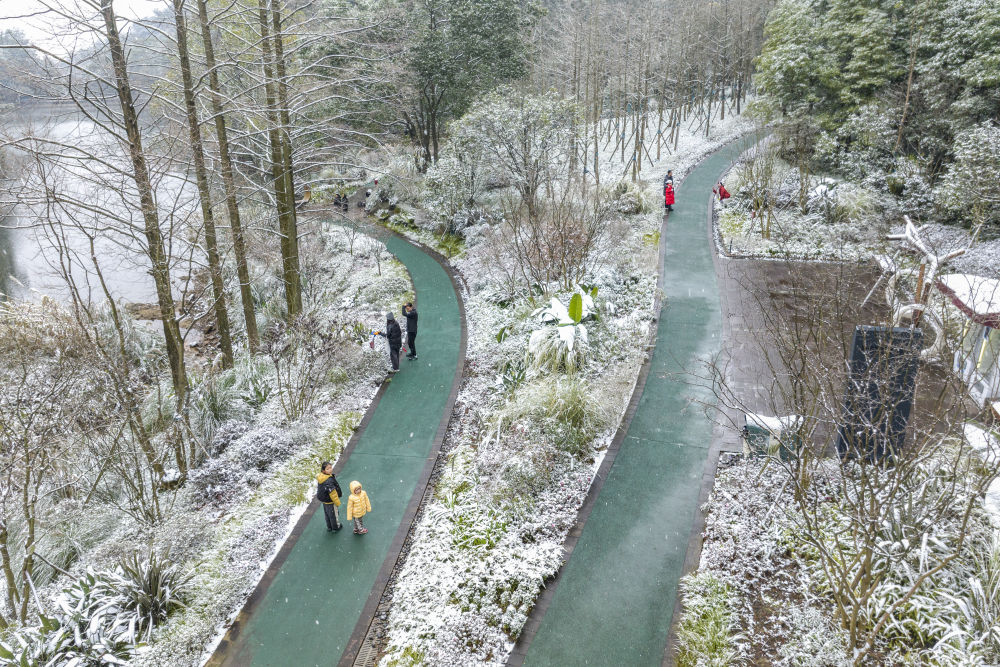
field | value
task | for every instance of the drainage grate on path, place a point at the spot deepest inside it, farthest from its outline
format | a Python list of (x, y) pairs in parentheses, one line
[(366, 655)]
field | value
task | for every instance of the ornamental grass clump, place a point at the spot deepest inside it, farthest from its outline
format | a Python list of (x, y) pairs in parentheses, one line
[(562, 409), (705, 636)]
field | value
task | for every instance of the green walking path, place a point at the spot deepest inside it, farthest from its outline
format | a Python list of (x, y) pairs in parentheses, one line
[(616, 594), (307, 614)]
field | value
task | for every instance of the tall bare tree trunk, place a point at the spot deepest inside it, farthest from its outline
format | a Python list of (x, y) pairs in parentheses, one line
[(283, 199), (228, 181), (204, 191), (284, 116), (160, 268)]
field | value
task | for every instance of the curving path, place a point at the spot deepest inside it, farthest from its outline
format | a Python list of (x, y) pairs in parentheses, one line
[(322, 585), (614, 598)]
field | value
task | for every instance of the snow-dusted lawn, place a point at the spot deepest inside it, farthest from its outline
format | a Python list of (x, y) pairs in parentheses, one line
[(494, 530)]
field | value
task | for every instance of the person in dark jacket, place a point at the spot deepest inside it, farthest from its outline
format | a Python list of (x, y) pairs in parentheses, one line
[(669, 178), (395, 337), (411, 330), (328, 492)]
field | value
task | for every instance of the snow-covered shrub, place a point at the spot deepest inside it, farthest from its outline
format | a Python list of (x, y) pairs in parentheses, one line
[(53, 644), (975, 626), (857, 204), (630, 198), (811, 640), (458, 179), (252, 375), (564, 346), (143, 348), (916, 197), (216, 480), (705, 634), (558, 349), (871, 134), (215, 399), (148, 590), (159, 406), (303, 354), (562, 408), (261, 448), (226, 434), (101, 617)]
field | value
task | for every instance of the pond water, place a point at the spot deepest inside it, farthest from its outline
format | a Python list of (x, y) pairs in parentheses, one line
[(34, 251)]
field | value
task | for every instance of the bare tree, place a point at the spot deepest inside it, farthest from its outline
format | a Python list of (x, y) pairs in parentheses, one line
[(875, 503), (204, 190)]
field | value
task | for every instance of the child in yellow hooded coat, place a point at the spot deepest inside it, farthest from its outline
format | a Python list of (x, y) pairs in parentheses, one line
[(357, 506)]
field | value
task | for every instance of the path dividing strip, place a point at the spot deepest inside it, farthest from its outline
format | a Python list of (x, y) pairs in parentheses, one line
[(613, 600), (315, 602)]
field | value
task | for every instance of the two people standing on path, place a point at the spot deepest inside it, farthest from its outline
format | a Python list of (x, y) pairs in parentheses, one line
[(328, 492), (394, 335), (668, 190)]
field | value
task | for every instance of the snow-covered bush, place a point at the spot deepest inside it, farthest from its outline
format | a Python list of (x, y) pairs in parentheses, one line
[(226, 434), (303, 354), (458, 179), (630, 198), (215, 398), (143, 349), (261, 448), (101, 617), (252, 375), (216, 480), (148, 589), (968, 189), (558, 349), (562, 409), (52, 644)]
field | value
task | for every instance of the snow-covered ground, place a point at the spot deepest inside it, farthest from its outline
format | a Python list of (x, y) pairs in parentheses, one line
[(494, 530), (763, 579), (225, 525), (841, 220)]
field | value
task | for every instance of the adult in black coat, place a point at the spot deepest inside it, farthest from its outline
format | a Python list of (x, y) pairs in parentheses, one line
[(328, 492), (395, 337), (411, 330)]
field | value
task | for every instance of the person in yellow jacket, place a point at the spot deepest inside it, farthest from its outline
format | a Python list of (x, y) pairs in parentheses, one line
[(328, 492), (357, 506)]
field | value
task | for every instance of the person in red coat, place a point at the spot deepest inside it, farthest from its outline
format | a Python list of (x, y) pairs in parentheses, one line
[(668, 196), (723, 193)]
